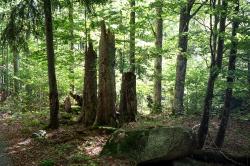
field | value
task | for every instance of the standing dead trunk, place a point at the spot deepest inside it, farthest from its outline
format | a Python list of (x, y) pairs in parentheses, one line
[(230, 80), (53, 94), (90, 88), (128, 101), (67, 105), (106, 87), (158, 59), (214, 72)]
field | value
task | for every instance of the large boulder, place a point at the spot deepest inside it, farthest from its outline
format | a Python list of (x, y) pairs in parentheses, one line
[(140, 145)]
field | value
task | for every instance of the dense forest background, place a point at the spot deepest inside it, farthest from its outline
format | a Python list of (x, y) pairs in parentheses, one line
[(113, 62)]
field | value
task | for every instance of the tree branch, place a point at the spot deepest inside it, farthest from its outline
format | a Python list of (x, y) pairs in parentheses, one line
[(198, 9)]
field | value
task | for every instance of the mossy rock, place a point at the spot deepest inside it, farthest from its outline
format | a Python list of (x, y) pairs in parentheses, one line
[(140, 145)]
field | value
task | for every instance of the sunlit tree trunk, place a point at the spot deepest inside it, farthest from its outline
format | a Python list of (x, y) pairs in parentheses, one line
[(106, 87), (2, 68), (214, 72), (214, 21), (53, 94), (230, 80), (158, 59), (71, 32), (15, 70), (132, 36), (7, 70)]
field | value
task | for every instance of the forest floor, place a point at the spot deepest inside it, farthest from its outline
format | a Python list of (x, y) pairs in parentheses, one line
[(75, 145)]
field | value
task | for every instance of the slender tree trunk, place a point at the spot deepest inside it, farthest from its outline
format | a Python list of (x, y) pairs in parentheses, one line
[(90, 88), (16, 69), (106, 87), (71, 32), (158, 59), (7, 70), (132, 36), (214, 72), (53, 94), (230, 80), (214, 30), (248, 77), (2, 69), (181, 66)]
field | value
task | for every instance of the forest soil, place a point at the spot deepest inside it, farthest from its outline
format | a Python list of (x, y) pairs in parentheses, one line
[(4, 158), (74, 144)]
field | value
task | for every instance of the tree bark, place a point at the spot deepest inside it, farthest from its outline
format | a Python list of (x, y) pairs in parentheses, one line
[(214, 72), (158, 59), (248, 76), (16, 69), (71, 32), (53, 94), (2, 81), (106, 87), (230, 80), (132, 53), (90, 88), (132, 36), (128, 101), (7, 70), (181, 66)]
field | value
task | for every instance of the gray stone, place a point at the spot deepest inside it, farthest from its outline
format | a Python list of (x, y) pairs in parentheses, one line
[(140, 145)]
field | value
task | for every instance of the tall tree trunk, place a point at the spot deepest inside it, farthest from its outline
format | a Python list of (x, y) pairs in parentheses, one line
[(53, 94), (214, 72), (106, 87), (181, 66), (16, 69), (132, 36), (214, 30), (230, 79), (2, 81), (248, 76), (90, 88), (132, 110), (7, 70), (71, 32), (128, 101), (158, 59)]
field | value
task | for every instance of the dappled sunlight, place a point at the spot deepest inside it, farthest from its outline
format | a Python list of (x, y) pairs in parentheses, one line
[(23, 145), (93, 145)]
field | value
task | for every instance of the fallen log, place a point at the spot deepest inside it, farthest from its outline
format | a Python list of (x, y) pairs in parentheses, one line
[(202, 156), (212, 156)]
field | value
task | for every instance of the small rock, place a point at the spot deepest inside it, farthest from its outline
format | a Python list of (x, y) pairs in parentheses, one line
[(39, 134)]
